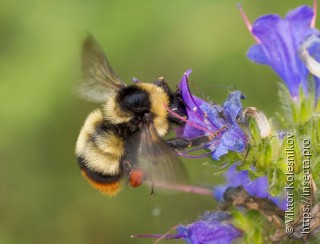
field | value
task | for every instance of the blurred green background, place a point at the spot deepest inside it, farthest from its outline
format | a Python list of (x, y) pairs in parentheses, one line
[(43, 197)]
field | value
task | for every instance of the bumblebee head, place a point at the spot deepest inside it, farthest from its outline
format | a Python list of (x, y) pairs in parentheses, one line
[(133, 99), (176, 104)]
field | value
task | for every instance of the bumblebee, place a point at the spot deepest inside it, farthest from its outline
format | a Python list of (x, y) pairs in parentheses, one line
[(124, 138)]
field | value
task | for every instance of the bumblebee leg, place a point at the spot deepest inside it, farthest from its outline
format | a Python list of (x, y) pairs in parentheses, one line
[(183, 143), (152, 189)]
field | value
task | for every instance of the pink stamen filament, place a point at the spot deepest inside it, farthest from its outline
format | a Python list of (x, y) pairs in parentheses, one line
[(191, 123), (185, 153), (315, 10), (247, 22)]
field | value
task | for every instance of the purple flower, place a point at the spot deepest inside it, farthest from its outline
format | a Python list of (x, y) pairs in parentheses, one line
[(258, 187), (212, 227), (205, 118), (279, 43), (310, 54)]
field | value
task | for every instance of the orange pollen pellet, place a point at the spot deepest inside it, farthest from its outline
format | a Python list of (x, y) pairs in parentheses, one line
[(136, 177)]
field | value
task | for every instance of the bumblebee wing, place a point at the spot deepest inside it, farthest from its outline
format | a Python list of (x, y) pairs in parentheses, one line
[(158, 161), (99, 79)]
